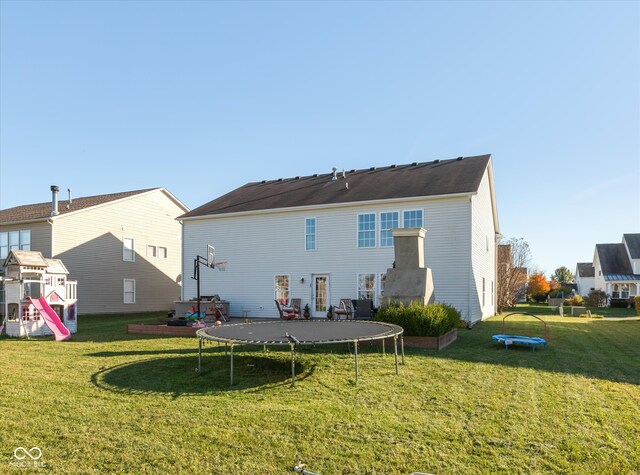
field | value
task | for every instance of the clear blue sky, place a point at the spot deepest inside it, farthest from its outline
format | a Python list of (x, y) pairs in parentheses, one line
[(203, 97)]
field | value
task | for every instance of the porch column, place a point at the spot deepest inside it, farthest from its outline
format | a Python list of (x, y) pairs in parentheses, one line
[(637, 288), (608, 288)]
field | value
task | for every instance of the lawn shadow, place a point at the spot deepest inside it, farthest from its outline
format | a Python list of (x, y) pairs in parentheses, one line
[(177, 376), (599, 349)]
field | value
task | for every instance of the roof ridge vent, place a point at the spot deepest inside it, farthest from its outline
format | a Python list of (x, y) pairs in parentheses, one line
[(315, 174), (393, 166), (460, 158), (279, 179), (414, 164), (436, 161), (352, 170), (263, 181), (297, 178), (372, 168)]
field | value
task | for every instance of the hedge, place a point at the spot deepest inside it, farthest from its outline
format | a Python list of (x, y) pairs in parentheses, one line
[(637, 300), (421, 320)]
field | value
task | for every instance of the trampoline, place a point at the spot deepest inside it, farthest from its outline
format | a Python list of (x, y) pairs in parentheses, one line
[(532, 341), (293, 333)]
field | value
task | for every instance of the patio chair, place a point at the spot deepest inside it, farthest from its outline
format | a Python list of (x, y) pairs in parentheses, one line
[(364, 309), (286, 313), (344, 309)]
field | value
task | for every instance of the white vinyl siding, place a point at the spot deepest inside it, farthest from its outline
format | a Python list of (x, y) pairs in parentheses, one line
[(412, 219), (310, 237), (129, 291), (367, 230), (388, 221), (128, 250)]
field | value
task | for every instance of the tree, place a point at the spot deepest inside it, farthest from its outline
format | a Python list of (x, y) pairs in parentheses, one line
[(538, 287), (562, 275), (513, 259)]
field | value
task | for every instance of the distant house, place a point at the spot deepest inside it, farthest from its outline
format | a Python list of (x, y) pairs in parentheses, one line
[(585, 278), (327, 237), (123, 248), (616, 267)]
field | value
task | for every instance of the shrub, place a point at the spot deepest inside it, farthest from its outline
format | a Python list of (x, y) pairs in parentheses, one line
[(575, 301), (421, 320), (619, 303), (540, 298), (596, 298), (637, 301)]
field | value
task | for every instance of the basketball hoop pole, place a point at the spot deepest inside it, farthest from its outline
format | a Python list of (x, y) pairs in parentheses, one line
[(196, 276)]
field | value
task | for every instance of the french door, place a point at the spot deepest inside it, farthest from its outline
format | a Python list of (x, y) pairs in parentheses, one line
[(319, 295)]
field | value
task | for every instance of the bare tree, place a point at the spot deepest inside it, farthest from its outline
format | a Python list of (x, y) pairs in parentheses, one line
[(514, 257)]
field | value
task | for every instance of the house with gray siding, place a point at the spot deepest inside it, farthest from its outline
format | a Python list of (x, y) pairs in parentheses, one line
[(124, 249), (616, 267), (328, 236)]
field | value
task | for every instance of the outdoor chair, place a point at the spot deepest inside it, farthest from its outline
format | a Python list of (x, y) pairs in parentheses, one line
[(364, 309), (344, 309), (286, 313)]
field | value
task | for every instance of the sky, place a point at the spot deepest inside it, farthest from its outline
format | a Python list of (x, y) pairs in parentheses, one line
[(203, 97)]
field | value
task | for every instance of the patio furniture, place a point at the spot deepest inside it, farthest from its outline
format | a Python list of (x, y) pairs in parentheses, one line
[(364, 309), (287, 313), (344, 309)]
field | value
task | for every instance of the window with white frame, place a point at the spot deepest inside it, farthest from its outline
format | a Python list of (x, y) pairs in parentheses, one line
[(367, 230), (620, 291), (129, 291), (366, 286), (310, 234), (162, 252), (128, 253), (14, 240), (282, 288), (152, 251), (412, 218), (388, 221)]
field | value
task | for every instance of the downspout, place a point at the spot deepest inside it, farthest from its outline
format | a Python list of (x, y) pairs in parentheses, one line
[(182, 260), (469, 324)]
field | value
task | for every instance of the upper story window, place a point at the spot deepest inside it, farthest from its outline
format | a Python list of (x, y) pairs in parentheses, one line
[(128, 252), (310, 234), (388, 221), (412, 218), (18, 240), (367, 230)]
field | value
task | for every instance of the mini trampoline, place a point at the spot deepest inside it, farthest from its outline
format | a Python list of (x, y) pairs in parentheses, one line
[(293, 333), (532, 341)]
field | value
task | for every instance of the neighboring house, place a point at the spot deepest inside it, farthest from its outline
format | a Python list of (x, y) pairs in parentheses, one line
[(585, 278), (617, 267), (123, 248), (325, 237)]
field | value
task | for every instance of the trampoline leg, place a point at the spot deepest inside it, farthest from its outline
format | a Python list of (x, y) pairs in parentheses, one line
[(231, 352), (355, 344), (395, 351), (402, 347), (264, 347), (199, 356), (384, 353), (293, 365)]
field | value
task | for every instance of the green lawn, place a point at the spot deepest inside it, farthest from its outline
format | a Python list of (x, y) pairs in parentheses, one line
[(108, 402)]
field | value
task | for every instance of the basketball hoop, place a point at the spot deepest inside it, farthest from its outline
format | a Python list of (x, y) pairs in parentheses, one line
[(221, 266)]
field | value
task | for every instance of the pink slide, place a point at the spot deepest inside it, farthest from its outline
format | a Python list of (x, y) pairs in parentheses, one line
[(51, 318)]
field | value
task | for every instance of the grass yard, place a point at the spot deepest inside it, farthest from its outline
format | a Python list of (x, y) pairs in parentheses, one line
[(108, 402)]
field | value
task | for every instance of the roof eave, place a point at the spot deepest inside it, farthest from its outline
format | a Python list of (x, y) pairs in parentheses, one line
[(26, 221)]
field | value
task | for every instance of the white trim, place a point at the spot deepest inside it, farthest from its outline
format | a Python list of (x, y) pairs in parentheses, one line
[(375, 230), (380, 213), (315, 234), (124, 291), (349, 204)]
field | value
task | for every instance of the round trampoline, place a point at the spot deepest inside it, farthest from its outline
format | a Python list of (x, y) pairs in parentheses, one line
[(297, 332)]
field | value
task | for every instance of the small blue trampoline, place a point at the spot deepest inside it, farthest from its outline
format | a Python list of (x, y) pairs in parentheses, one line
[(532, 341)]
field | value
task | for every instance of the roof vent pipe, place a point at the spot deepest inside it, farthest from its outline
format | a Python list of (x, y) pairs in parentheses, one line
[(54, 200), (335, 175), (70, 200)]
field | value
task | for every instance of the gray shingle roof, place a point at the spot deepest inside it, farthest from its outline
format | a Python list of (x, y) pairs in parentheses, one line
[(613, 259), (43, 210), (633, 244), (586, 269), (440, 177)]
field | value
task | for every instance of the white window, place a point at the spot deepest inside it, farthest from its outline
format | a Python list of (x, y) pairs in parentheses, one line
[(282, 288), (310, 234), (388, 221), (128, 253), (483, 291), (162, 252), (129, 291), (412, 218), (151, 250), (366, 286), (18, 240), (367, 230)]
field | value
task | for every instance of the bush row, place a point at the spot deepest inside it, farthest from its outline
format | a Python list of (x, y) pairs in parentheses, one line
[(421, 320)]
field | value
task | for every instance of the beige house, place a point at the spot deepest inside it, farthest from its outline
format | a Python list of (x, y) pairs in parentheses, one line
[(124, 249)]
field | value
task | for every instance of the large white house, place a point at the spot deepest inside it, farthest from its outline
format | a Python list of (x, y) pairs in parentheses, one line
[(617, 267), (326, 237)]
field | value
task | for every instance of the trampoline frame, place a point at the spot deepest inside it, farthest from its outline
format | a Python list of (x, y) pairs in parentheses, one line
[(395, 332)]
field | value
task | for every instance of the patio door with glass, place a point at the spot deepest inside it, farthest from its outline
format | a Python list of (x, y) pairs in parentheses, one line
[(319, 295)]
